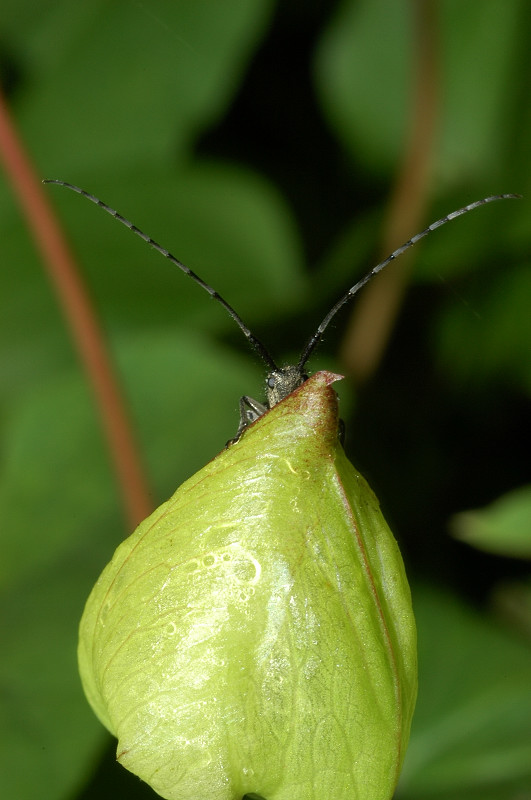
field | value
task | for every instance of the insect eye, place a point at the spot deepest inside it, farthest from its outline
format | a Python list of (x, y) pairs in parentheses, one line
[(271, 382)]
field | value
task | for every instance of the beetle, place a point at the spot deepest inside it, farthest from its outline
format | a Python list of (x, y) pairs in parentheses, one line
[(254, 638)]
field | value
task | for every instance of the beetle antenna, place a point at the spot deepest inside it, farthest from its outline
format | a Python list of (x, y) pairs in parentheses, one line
[(317, 336), (251, 338)]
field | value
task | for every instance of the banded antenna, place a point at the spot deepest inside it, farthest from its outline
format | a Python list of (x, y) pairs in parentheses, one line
[(256, 343), (296, 374), (318, 335)]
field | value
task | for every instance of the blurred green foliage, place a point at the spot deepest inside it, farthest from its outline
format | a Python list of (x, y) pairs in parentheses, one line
[(259, 142), (502, 527)]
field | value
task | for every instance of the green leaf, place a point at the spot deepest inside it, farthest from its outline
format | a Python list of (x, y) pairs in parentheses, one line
[(365, 78), (255, 633), (471, 735), (111, 107), (346, 57), (502, 527), (49, 742), (59, 522)]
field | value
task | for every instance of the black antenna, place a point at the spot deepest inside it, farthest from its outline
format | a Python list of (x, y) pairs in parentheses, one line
[(291, 377), (317, 336), (256, 343)]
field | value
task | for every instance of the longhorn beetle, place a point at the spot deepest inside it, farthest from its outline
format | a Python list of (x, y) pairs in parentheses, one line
[(254, 637)]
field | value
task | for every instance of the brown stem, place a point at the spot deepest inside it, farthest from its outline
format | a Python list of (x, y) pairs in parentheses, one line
[(81, 319), (377, 308)]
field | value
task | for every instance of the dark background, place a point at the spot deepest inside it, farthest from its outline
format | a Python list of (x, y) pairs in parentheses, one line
[(280, 150)]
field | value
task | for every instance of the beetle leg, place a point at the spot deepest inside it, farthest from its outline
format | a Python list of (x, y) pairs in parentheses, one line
[(250, 410)]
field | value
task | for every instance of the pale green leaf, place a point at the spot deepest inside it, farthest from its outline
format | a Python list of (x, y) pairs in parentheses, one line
[(255, 633), (60, 521), (120, 84), (502, 527)]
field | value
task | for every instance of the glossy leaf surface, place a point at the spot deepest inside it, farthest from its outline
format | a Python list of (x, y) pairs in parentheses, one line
[(255, 633)]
